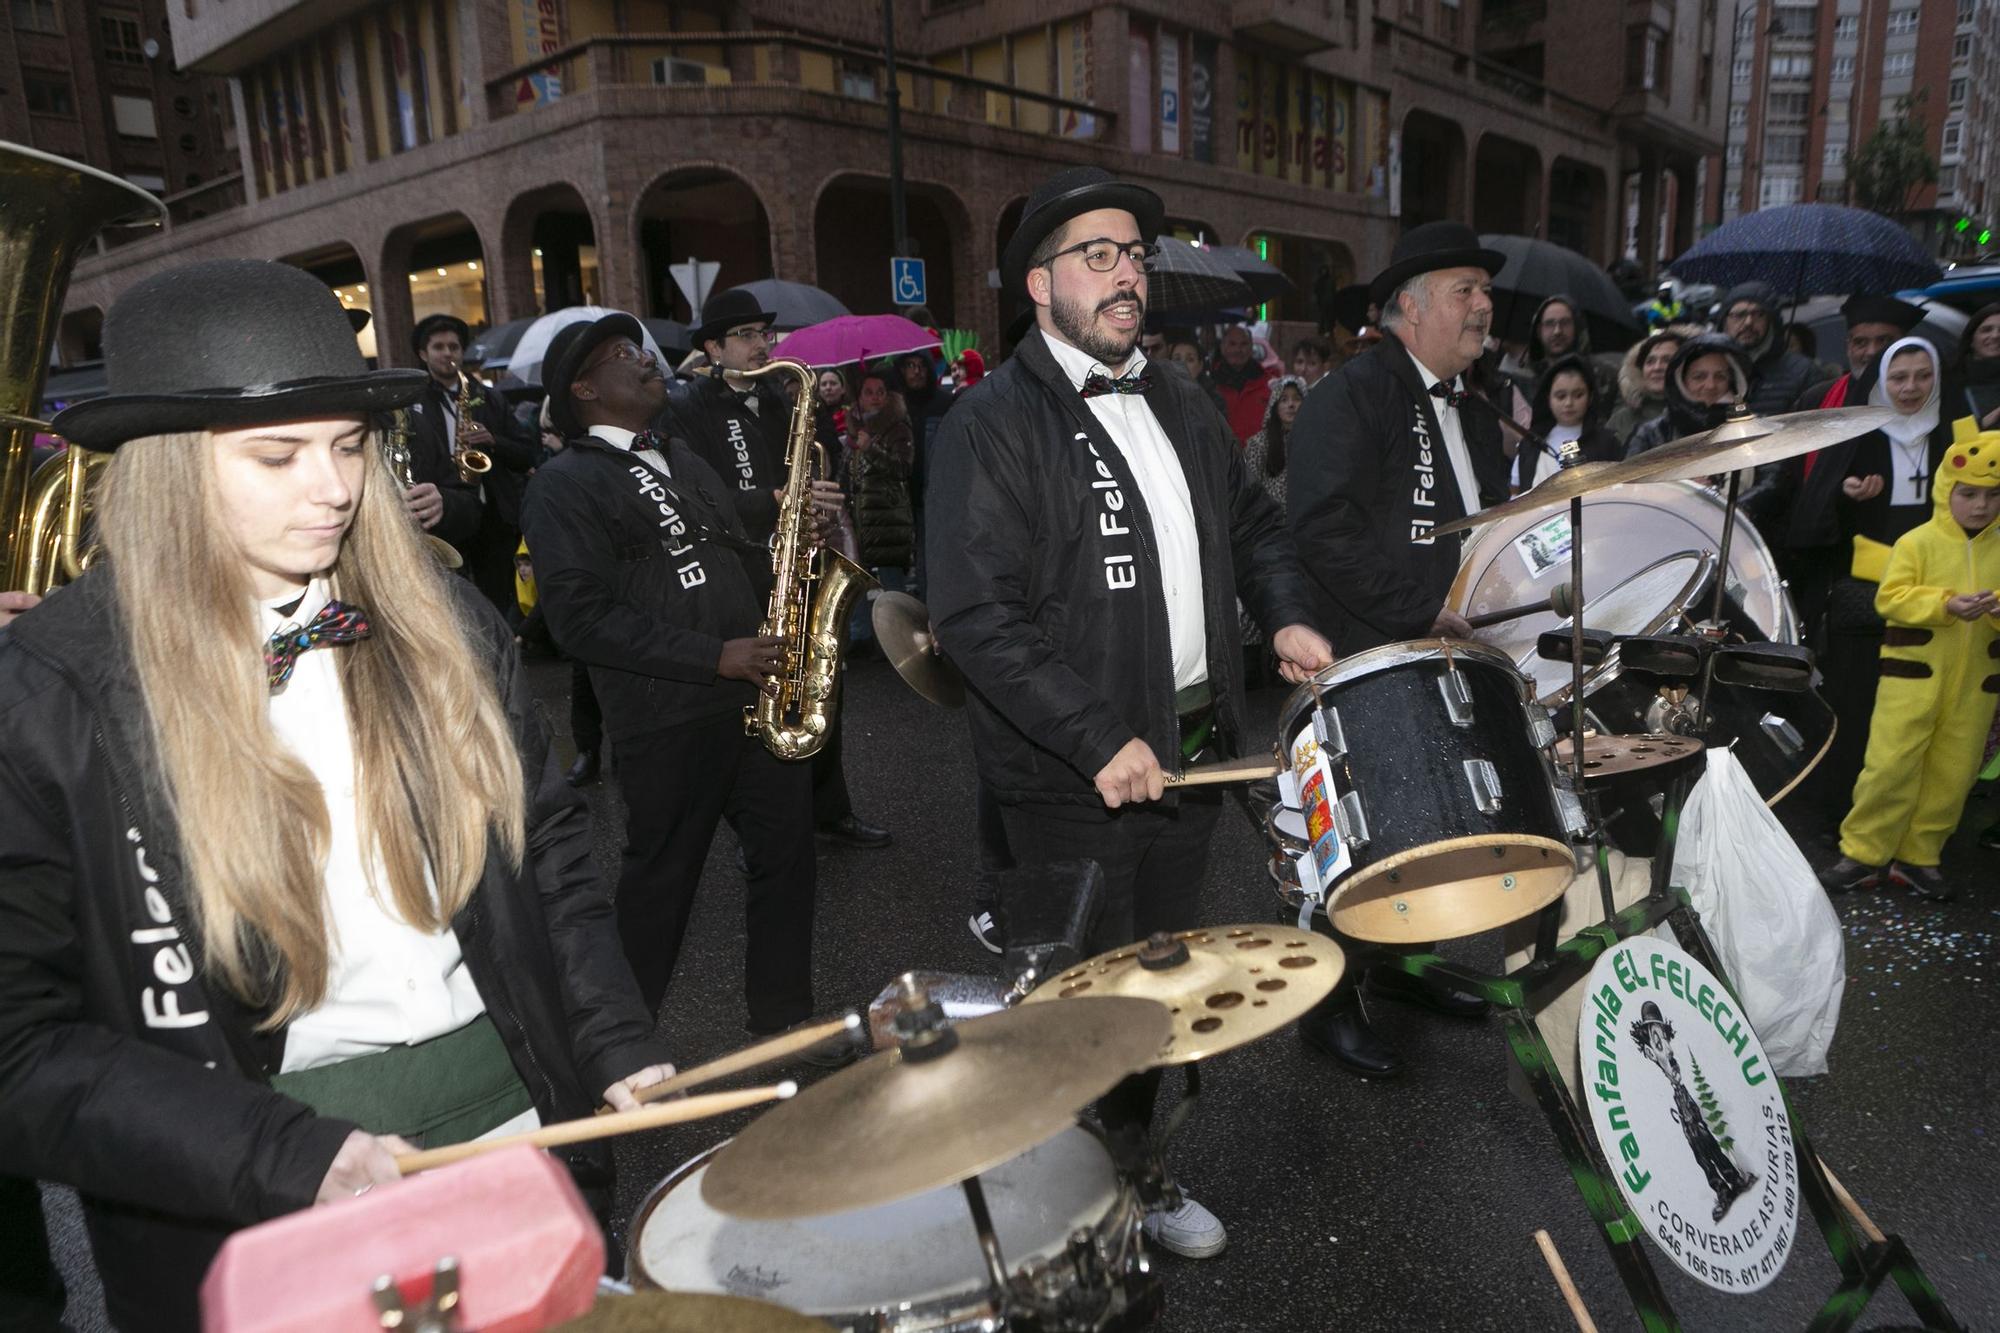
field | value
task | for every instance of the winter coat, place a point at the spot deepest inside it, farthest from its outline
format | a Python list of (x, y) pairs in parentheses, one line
[(1778, 374), (1534, 362), (884, 528), (1684, 416), (1635, 406), (926, 407), (1597, 444), (126, 1073), (1045, 582), (515, 451), (1246, 396), (643, 578), (1364, 485)]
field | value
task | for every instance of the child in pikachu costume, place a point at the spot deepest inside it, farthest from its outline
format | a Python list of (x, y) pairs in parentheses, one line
[(1940, 678)]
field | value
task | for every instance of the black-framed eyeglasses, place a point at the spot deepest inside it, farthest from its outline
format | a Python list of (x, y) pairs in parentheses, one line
[(1102, 254), (760, 332)]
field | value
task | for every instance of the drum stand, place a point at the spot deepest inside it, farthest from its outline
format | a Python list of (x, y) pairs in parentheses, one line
[(1864, 1265)]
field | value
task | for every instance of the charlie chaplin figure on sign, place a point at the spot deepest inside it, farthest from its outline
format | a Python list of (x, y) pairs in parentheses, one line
[(1655, 1036)]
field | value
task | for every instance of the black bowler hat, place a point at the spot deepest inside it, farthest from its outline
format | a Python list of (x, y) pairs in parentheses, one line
[(225, 343), (725, 310), (1067, 194), (358, 317), (1864, 309), (568, 350), (420, 336), (1427, 249)]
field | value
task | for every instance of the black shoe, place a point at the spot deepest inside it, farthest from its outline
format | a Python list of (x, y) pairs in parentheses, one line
[(1340, 1031), (1848, 874), (584, 771), (1928, 881), (850, 830), (1396, 984), (742, 860)]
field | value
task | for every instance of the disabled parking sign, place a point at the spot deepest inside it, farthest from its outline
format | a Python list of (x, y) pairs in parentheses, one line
[(906, 282)]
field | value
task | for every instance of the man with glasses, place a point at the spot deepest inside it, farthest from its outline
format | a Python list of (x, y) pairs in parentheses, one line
[(1091, 530), (742, 434), (645, 574), (1559, 329), (1778, 373)]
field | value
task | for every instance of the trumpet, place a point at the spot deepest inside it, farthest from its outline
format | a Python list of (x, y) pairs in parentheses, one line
[(472, 463)]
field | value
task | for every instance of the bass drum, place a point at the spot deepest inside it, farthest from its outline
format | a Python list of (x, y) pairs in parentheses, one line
[(1519, 561)]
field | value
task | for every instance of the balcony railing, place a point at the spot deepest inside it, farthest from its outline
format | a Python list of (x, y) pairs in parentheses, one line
[(790, 61)]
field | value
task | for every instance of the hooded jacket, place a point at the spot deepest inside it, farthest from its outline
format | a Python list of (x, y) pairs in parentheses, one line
[(1246, 394), (1684, 416), (1597, 444), (1635, 406), (107, 1021), (1534, 361), (879, 486), (1778, 375), (1045, 583)]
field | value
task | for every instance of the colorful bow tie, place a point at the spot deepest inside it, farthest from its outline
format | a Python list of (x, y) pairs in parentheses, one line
[(1095, 384), (335, 624), (1452, 397), (647, 439)]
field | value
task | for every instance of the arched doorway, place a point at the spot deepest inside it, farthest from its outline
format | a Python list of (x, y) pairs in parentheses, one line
[(1011, 303), (1316, 266), (703, 213), (1506, 187), (339, 267), (444, 264), (1433, 169), (549, 245), (1577, 198), (853, 237), (80, 336)]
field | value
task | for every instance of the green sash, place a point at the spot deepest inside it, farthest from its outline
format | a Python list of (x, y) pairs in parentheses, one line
[(446, 1090)]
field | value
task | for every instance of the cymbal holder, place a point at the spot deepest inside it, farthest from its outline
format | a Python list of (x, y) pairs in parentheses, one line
[(922, 1031), (1715, 619), (989, 1245)]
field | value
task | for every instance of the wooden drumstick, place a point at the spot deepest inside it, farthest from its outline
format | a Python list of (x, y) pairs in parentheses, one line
[(1846, 1200), (1229, 770), (1569, 1291), (599, 1127), (765, 1052)]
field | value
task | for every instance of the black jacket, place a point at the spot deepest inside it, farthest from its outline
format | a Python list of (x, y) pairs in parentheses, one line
[(105, 1020), (1045, 584), (514, 452), (1596, 444), (1684, 416), (643, 585), (1778, 374), (1357, 497), (745, 446)]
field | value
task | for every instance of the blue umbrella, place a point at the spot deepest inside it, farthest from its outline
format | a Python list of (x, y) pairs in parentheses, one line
[(1807, 250)]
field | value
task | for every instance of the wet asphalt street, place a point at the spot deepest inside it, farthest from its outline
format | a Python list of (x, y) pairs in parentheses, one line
[(1407, 1204)]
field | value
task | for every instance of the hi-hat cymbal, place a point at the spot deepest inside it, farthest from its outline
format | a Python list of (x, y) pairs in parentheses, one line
[(1225, 986), (690, 1312), (903, 628), (895, 1124), (1754, 441)]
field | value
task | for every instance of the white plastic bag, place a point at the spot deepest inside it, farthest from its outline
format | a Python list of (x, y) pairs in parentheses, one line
[(1775, 933)]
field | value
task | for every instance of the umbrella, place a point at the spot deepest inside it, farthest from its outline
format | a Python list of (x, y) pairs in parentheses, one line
[(846, 339), (1536, 270), (1266, 280), (525, 363), (490, 350), (1807, 250), (797, 305), (1185, 278), (670, 334)]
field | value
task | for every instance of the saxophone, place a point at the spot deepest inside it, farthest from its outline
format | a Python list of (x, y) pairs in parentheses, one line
[(394, 434), (472, 463), (810, 600)]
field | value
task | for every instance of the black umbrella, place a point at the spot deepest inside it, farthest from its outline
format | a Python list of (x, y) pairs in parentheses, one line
[(1266, 280), (1808, 250), (491, 349), (796, 304), (674, 337), (1535, 271), (1185, 279)]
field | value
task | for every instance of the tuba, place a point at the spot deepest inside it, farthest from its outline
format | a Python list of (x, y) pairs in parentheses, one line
[(50, 208), (810, 600), (472, 463)]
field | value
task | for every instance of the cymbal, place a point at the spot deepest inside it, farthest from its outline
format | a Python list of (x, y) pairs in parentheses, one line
[(690, 1312), (1225, 986), (892, 1126), (1606, 756), (1754, 441), (1558, 488), (903, 628)]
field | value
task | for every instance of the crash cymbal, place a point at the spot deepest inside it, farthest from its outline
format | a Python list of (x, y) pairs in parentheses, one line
[(1225, 986), (1614, 756), (690, 1312), (903, 628), (949, 1102), (1748, 441), (1558, 488)]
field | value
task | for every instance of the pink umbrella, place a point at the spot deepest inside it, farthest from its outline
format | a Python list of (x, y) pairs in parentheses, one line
[(846, 339)]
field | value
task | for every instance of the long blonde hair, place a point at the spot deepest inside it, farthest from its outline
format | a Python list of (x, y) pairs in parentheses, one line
[(435, 761)]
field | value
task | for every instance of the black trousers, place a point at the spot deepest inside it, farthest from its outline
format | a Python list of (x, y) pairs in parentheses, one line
[(678, 785), (586, 715), (31, 1289), (830, 801)]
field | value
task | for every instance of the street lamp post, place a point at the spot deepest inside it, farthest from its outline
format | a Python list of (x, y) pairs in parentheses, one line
[(897, 213)]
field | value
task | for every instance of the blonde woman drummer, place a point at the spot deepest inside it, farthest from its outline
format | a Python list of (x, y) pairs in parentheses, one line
[(288, 881)]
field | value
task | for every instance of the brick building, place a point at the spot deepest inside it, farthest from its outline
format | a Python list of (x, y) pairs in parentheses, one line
[(1810, 82), (500, 157)]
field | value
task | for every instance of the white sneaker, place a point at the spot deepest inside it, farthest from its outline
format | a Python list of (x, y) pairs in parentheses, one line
[(1190, 1230), (986, 930)]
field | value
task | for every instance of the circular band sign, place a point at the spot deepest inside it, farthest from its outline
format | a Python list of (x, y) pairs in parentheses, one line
[(1689, 1114)]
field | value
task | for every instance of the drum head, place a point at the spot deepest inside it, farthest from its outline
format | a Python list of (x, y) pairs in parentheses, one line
[(1652, 601), (915, 1251), (1451, 889), (1520, 560)]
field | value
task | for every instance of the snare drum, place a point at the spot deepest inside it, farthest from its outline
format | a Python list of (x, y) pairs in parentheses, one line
[(915, 1265), (1424, 801)]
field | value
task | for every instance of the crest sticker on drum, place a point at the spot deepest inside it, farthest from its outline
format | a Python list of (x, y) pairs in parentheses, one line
[(1545, 545)]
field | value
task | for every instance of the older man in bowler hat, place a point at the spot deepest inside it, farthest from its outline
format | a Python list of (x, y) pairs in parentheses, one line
[(1385, 450), (646, 575), (1091, 527)]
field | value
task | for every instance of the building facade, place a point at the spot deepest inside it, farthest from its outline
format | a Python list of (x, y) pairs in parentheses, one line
[(1810, 83), (496, 158)]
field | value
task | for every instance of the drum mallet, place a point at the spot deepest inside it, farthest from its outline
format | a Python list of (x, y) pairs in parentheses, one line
[(1558, 602), (1560, 1270)]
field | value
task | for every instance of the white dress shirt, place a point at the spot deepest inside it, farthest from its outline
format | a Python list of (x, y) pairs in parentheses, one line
[(1454, 439), (1156, 468), (388, 982), (620, 438)]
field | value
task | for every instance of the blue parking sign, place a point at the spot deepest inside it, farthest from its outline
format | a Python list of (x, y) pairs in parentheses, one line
[(906, 282)]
